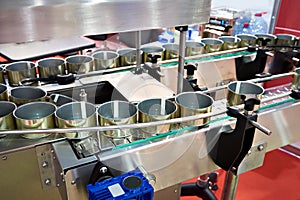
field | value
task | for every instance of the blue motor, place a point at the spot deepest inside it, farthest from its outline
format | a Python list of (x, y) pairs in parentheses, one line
[(132, 185)]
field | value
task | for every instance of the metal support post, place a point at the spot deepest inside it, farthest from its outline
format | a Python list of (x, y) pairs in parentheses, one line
[(138, 48), (182, 40), (230, 186)]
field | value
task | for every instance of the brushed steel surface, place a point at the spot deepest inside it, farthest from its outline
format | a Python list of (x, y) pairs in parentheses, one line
[(168, 157), (165, 159), (31, 20), (20, 177)]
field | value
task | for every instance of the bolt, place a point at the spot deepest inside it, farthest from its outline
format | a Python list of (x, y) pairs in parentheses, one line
[(175, 191), (103, 170), (57, 185), (249, 152), (47, 181), (44, 164), (260, 147), (4, 157), (73, 182)]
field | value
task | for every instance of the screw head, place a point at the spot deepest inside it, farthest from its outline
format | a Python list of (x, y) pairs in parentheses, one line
[(44, 164), (47, 181), (260, 147), (103, 170)]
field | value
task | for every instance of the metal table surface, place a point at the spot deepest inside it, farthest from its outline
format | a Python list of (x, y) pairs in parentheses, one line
[(39, 49)]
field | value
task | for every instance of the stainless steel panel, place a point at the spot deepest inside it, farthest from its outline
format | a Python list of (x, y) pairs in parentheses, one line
[(31, 20), (20, 177), (283, 124)]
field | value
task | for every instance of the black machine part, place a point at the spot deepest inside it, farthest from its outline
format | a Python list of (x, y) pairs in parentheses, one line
[(191, 83), (59, 79), (100, 173), (154, 68), (295, 94), (283, 62), (247, 69), (233, 144), (200, 188)]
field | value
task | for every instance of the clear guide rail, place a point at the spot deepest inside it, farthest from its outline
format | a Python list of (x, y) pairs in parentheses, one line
[(143, 125)]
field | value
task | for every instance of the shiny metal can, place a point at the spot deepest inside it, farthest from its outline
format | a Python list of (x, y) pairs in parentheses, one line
[(194, 103), (51, 67), (247, 40), (194, 48), (35, 115), (230, 42), (127, 56), (212, 44), (7, 121), (153, 50), (296, 80), (26, 94), (157, 109), (238, 91), (171, 51), (77, 114), (3, 92), (117, 113), (2, 79), (79, 64), (18, 71), (105, 59)]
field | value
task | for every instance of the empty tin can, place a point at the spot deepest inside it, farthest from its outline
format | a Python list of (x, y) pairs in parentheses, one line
[(154, 50), (35, 115), (7, 121), (3, 92), (212, 44), (127, 56), (117, 113), (80, 64), (26, 94), (247, 40), (238, 91), (296, 80), (2, 79), (194, 103), (194, 48), (51, 67), (18, 71), (171, 51), (230, 42), (77, 114), (156, 109), (105, 59)]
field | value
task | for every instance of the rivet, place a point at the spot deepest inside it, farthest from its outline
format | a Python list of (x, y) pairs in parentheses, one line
[(103, 170), (260, 147), (47, 181), (44, 164)]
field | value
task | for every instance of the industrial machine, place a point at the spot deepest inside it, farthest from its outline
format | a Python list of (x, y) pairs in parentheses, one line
[(220, 23), (132, 166)]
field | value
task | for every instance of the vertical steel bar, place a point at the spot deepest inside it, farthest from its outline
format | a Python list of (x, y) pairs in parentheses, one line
[(230, 186), (182, 40), (138, 48), (276, 7)]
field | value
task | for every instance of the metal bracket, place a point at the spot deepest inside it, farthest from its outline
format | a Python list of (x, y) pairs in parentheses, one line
[(253, 159), (45, 157)]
